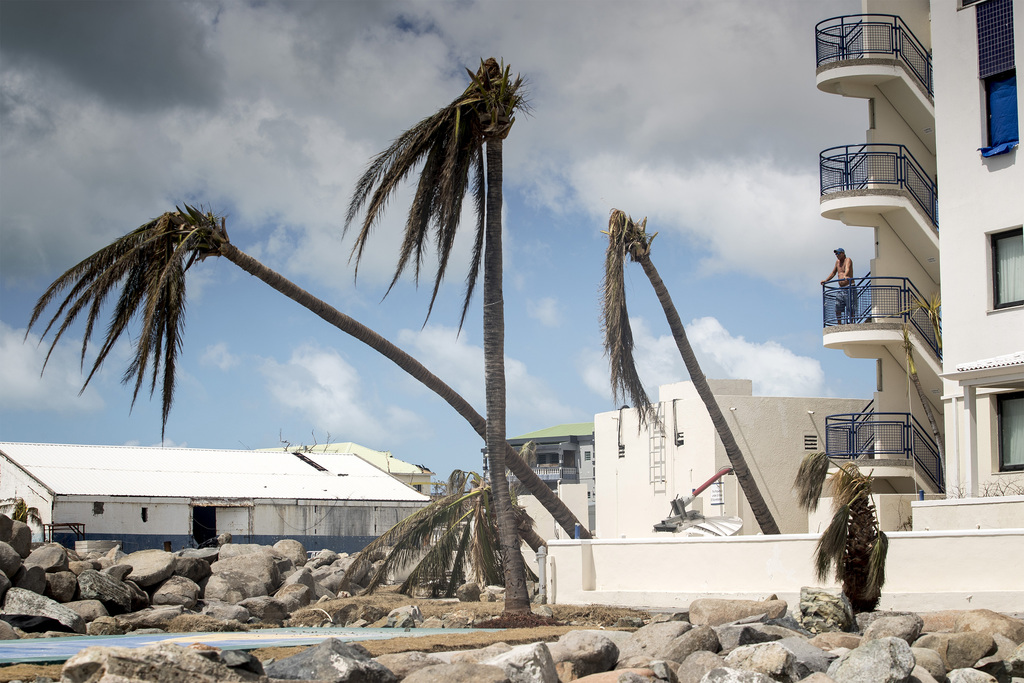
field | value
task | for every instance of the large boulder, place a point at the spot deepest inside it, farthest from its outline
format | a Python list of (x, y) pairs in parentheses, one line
[(177, 590), (31, 579), (61, 586), (989, 622), (958, 650), (697, 665), (5, 583), (908, 627), (266, 609), (225, 611), (526, 664), (160, 663), (236, 578), (194, 569), (588, 652), (652, 640), (823, 610), (458, 672), (294, 596), (89, 610), (150, 567), (292, 549), (19, 601), (332, 660), (301, 576), (52, 557), (771, 659), (716, 611), (10, 560), (115, 595), (5, 528), (886, 660), (21, 538), (154, 617), (468, 592), (404, 663), (695, 640)]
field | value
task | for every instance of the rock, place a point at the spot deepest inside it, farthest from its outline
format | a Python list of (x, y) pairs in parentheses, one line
[(724, 674), (291, 549), (5, 583), (89, 610), (886, 660), (52, 557), (824, 610), (731, 636), (177, 590), (908, 627), (715, 611), (30, 579), (236, 578), (225, 611), (589, 652), (921, 675), (958, 650), (5, 528), (294, 597), (989, 622), (407, 616), (140, 598), (301, 576), (106, 626), (160, 663), (693, 668), (458, 672), (19, 601), (653, 640), (115, 595), (195, 569), (969, 676), (331, 578), (150, 567), (767, 658), (831, 640), (865, 619), (155, 617), (699, 638), (197, 623), (808, 658), (21, 538), (61, 586), (78, 566), (477, 656), (493, 594), (457, 619), (266, 609), (931, 662), (323, 558), (229, 550), (332, 660), (117, 571), (468, 592), (404, 663), (665, 671), (7, 631), (208, 554), (526, 664), (10, 560)]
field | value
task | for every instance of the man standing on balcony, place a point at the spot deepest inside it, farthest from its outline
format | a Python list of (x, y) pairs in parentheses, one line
[(846, 300)]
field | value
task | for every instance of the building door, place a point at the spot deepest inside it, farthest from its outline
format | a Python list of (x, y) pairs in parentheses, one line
[(204, 523)]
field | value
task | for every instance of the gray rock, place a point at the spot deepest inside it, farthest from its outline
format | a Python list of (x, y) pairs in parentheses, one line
[(332, 660), (693, 668), (52, 557), (106, 626), (886, 660), (21, 601), (89, 610), (302, 576), (5, 528), (907, 627), (154, 617), (670, 616), (229, 550), (31, 579), (767, 658), (823, 610), (330, 577), (664, 671), (590, 652), (5, 583), (10, 560), (115, 595), (117, 571), (865, 619), (177, 590), (61, 586), (833, 640), (715, 611), (160, 663), (236, 578), (458, 672), (78, 566), (700, 638), (809, 659), (195, 569), (208, 554), (457, 619), (225, 611), (989, 622), (7, 631), (468, 592), (477, 656), (291, 549), (266, 609), (526, 664), (653, 640), (407, 616), (970, 676), (294, 596), (731, 636), (323, 558), (140, 598), (725, 674), (958, 650), (150, 567), (404, 663), (921, 675), (931, 662), (21, 538)]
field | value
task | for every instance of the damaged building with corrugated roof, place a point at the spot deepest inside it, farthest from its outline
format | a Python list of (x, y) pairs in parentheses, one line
[(151, 497)]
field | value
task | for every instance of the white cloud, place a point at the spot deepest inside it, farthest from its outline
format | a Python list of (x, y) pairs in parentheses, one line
[(547, 310), (56, 390), (218, 356), (327, 391)]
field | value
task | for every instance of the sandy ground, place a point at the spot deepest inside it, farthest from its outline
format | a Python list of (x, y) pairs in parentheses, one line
[(573, 616)]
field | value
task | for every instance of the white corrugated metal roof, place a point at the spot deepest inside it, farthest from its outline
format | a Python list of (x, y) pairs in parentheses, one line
[(199, 473), (997, 362)]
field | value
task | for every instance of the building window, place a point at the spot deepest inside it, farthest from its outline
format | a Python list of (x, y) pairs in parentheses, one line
[(145, 514), (1008, 268), (1001, 100), (1010, 409), (97, 508), (997, 70), (810, 442), (586, 456)]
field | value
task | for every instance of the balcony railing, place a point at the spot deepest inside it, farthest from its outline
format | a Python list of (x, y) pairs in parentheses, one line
[(878, 299), (876, 166), (566, 474), (885, 436), (871, 35)]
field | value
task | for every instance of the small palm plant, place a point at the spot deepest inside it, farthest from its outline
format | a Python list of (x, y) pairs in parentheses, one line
[(20, 511), (450, 541), (853, 546)]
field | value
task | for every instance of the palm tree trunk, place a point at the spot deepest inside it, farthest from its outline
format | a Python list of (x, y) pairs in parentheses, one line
[(739, 464), (939, 444), (862, 535), (516, 597), (552, 503)]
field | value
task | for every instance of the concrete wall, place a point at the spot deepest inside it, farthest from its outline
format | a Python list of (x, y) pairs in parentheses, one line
[(998, 512), (925, 570), (770, 432)]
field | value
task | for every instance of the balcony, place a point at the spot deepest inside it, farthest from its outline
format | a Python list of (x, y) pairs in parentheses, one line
[(862, 55), (553, 474), (885, 439)]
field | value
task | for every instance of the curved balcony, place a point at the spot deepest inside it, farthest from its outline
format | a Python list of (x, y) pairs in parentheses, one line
[(860, 53), (881, 437)]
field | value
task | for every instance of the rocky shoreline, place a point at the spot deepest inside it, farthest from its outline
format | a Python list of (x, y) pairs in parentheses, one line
[(49, 590)]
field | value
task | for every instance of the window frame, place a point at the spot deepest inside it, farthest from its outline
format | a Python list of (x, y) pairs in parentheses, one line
[(1000, 398), (993, 239)]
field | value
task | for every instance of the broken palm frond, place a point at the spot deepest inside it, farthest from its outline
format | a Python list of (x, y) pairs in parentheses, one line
[(810, 479)]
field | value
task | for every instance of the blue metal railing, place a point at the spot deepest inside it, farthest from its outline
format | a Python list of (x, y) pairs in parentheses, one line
[(567, 474), (851, 436), (866, 35), (859, 167), (878, 299)]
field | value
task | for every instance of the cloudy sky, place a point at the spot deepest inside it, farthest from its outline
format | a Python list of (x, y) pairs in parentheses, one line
[(702, 116)]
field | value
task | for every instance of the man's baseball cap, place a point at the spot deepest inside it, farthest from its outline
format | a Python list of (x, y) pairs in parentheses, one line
[(840, 250)]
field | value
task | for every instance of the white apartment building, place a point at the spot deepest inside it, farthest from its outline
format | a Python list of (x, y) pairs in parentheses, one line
[(939, 80)]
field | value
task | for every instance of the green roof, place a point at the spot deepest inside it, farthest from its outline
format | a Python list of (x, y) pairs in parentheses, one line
[(571, 429)]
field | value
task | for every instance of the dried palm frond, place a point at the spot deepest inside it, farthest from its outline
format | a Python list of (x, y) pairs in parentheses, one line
[(832, 546), (810, 479)]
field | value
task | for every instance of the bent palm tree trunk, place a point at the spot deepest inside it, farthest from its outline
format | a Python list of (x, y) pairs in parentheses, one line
[(523, 472)]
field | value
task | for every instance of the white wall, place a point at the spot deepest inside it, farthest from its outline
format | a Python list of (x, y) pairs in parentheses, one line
[(1000, 512)]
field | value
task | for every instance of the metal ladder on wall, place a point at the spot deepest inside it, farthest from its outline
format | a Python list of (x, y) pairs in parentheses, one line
[(656, 443)]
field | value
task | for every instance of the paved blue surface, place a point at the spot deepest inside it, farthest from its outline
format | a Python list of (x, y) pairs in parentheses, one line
[(54, 650)]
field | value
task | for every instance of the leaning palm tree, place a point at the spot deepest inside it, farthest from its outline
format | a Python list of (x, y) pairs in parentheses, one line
[(452, 145), (853, 547), (145, 271), (449, 542), (628, 239)]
